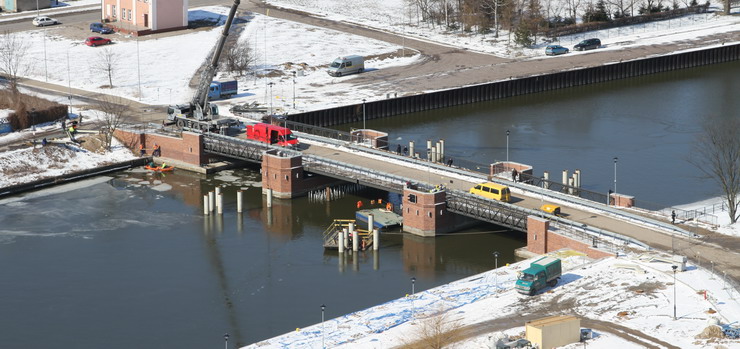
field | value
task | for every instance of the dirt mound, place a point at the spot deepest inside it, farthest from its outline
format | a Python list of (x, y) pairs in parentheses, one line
[(93, 143), (711, 332)]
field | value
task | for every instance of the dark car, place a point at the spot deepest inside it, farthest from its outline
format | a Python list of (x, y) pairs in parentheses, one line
[(553, 50), (100, 28), (588, 44), (96, 41)]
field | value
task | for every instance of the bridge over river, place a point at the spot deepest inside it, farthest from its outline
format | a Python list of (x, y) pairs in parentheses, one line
[(595, 224)]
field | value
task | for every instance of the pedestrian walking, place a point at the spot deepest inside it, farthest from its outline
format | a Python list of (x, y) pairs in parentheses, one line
[(142, 150), (449, 162), (157, 150), (398, 149), (673, 217), (405, 150)]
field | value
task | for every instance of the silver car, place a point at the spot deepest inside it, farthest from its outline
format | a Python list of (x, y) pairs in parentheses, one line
[(44, 21)]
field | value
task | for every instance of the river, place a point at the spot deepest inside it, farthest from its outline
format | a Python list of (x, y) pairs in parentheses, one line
[(129, 260)]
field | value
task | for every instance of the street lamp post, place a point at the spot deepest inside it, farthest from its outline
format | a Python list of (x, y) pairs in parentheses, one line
[(507, 145), (226, 341), (413, 309), (38, 13), (323, 307), (294, 89), (363, 113), (674, 290), (615, 175), (495, 256), (270, 84)]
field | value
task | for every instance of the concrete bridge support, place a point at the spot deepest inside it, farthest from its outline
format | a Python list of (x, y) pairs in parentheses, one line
[(425, 213), (284, 174), (541, 240)]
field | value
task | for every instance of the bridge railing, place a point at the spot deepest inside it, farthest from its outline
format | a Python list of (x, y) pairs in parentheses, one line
[(345, 171)]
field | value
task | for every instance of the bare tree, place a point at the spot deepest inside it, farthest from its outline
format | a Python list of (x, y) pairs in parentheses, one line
[(436, 332), (116, 112), (573, 7), (622, 7), (717, 155), (13, 58), (107, 63), (493, 7), (239, 57)]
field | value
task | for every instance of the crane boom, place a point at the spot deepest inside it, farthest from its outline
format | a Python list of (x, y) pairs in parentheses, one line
[(201, 94)]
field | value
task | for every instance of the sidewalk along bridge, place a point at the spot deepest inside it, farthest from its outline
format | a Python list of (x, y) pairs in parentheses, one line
[(286, 173)]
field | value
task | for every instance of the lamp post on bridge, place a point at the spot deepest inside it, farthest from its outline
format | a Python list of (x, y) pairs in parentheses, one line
[(363, 114), (507, 146), (615, 175)]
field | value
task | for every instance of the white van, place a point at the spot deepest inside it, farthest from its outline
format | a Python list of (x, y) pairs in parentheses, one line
[(346, 65)]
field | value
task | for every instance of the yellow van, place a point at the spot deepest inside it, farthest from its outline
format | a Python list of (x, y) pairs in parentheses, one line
[(492, 191)]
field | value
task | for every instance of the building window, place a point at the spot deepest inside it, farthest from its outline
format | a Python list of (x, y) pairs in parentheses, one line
[(114, 11), (129, 15)]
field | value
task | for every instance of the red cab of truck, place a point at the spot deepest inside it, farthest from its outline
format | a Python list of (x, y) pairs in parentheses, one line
[(271, 134)]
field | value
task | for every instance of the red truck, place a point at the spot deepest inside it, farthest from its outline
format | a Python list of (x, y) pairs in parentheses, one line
[(271, 134)]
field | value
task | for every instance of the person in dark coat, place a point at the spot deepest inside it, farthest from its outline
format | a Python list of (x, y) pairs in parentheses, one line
[(673, 217), (398, 149)]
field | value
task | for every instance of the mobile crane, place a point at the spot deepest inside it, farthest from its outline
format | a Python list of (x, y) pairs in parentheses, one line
[(199, 114)]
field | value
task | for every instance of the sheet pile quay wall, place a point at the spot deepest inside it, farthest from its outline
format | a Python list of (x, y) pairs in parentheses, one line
[(517, 87)]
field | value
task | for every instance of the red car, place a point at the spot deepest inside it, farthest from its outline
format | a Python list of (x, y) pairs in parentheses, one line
[(96, 40)]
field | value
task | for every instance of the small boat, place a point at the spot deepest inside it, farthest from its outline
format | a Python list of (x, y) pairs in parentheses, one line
[(159, 168)]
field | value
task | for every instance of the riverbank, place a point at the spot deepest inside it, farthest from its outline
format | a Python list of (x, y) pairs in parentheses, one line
[(634, 311)]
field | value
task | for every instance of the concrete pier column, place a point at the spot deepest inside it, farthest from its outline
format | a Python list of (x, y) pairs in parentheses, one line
[(355, 241), (220, 203), (218, 192), (370, 222), (433, 157), (345, 233), (439, 152), (239, 196), (376, 260), (269, 197), (565, 177), (577, 174), (328, 193), (546, 176), (206, 209), (441, 149), (376, 239), (340, 241), (570, 183), (411, 149), (429, 148), (211, 201)]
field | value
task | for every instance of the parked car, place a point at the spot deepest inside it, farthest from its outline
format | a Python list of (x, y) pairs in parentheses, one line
[(97, 41), (44, 21), (553, 50), (100, 28), (588, 44)]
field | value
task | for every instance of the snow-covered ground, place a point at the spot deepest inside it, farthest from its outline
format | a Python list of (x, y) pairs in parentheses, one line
[(283, 47), (628, 291)]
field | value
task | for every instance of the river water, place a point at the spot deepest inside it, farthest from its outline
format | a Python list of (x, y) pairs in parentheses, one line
[(129, 261), (648, 123)]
